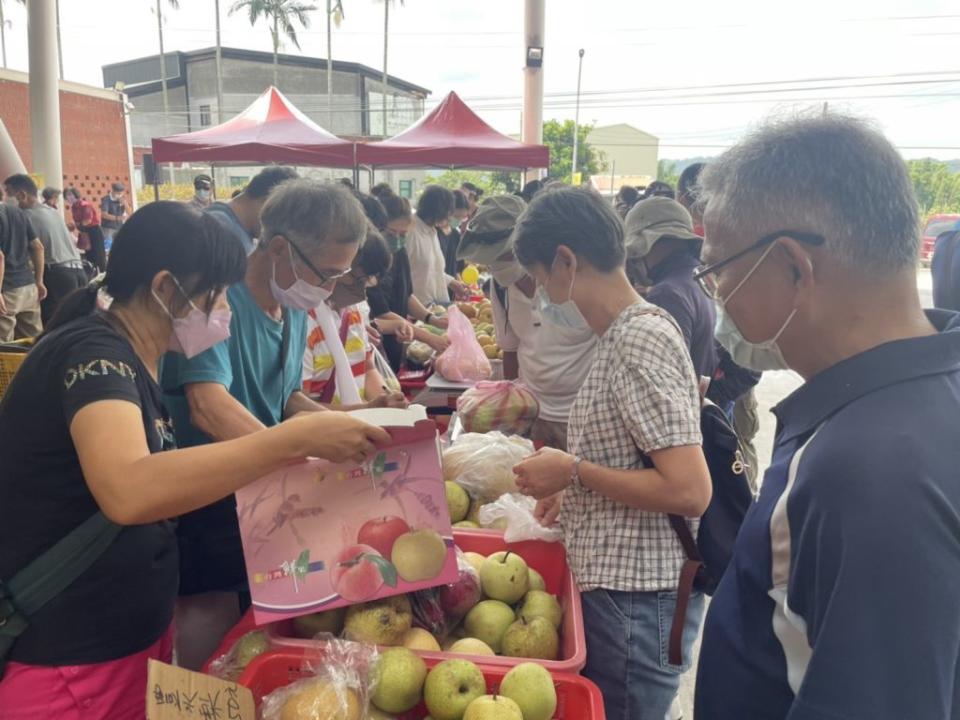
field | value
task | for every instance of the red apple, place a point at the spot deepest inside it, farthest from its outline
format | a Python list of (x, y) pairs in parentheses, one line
[(380, 533), (458, 598), (354, 576)]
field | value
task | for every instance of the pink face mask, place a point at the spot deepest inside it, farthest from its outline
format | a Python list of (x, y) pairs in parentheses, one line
[(196, 331)]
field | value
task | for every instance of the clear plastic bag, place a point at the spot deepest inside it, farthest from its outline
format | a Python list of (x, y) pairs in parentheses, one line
[(517, 511), (482, 464), (230, 665), (464, 360), (341, 686), (390, 379), (439, 610), (504, 406)]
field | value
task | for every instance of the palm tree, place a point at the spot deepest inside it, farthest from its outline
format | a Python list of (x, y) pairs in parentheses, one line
[(334, 14), (175, 4), (282, 13), (386, 36)]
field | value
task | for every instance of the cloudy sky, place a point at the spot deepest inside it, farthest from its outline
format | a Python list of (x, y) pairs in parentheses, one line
[(697, 74)]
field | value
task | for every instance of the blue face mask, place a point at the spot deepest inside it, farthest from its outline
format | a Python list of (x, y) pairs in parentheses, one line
[(563, 314)]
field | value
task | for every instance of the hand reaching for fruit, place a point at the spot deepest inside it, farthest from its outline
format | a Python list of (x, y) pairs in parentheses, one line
[(545, 473), (389, 400), (548, 509)]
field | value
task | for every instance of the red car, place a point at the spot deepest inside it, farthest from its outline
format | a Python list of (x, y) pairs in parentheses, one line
[(936, 226)]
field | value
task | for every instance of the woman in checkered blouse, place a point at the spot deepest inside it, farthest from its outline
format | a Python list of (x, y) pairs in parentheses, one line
[(635, 454)]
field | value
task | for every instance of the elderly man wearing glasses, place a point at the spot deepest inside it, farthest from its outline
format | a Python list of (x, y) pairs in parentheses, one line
[(840, 600), (310, 236)]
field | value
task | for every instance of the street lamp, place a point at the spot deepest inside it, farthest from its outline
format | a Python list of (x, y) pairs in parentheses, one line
[(576, 120)]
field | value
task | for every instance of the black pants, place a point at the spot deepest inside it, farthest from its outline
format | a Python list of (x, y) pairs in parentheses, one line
[(60, 281)]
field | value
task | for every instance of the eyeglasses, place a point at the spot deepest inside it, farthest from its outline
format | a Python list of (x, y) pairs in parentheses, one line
[(324, 277), (706, 276)]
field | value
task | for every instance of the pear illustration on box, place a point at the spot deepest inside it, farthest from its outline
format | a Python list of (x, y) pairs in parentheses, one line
[(318, 536)]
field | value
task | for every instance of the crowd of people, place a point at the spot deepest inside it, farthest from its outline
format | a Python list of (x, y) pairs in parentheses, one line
[(224, 336)]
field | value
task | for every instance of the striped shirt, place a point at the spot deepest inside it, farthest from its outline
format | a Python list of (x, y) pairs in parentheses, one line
[(318, 360)]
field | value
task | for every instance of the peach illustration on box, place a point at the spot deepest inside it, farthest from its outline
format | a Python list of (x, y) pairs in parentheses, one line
[(318, 536)]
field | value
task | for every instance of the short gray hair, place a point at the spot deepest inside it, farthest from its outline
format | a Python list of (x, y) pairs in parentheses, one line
[(828, 174), (313, 214)]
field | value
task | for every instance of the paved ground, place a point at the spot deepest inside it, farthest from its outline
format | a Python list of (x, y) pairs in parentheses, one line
[(772, 389)]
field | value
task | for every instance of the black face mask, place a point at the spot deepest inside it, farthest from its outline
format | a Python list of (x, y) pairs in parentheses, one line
[(347, 295)]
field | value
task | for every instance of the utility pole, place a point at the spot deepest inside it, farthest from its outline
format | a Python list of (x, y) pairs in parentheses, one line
[(534, 22), (216, 7), (576, 120)]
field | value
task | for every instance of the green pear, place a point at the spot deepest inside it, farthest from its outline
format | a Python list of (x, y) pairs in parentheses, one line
[(531, 687), (493, 707), (381, 622), (329, 621), (537, 603), (536, 580), (451, 686), (466, 524), (250, 646), (505, 577), (458, 502), (488, 621), (535, 638), (375, 714), (470, 646), (419, 555), (400, 674), (476, 560)]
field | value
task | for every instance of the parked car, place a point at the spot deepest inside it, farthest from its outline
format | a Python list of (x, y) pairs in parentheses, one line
[(936, 226)]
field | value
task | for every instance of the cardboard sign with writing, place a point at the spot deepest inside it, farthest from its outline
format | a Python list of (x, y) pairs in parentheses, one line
[(177, 694), (318, 536)]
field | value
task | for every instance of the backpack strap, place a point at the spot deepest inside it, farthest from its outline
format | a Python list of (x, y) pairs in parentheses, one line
[(951, 293), (49, 575), (688, 574)]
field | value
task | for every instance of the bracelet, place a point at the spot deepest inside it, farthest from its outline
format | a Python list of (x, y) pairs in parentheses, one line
[(575, 470), (428, 318)]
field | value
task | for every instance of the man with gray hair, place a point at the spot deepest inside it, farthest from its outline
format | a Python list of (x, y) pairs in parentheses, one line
[(311, 233), (841, 597)]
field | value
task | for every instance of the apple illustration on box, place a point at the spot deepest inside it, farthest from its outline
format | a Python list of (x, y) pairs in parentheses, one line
[(318, 536)]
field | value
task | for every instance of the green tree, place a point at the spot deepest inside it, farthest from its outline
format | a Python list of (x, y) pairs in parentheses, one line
[(489, 182), (936, 188), (558, 136), (667, 172), (281, 14)]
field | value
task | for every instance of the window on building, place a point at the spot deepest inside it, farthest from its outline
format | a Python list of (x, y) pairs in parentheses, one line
[(406, 188), (204, 115)]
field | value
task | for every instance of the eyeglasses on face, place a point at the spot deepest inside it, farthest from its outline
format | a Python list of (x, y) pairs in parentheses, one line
[(324, 277), (706, 275)]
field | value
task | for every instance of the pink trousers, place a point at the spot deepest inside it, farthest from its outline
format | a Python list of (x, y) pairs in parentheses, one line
[(114, 690)]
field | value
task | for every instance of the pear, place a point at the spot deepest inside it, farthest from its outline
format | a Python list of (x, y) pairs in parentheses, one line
[(319, 700), (488, 621), (466, 525), (493, 707), (505, 577), (450, 688), (536, 580), (400, 674), (381, 622), (475, 559), (537, 603), (470, 646), (419, 639), (536, 638), (458, 502), (329, 621), (250, 646), (531, 687), (419, 555)]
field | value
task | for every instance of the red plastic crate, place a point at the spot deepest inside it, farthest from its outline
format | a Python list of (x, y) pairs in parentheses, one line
[(549, 559), (577, 697)]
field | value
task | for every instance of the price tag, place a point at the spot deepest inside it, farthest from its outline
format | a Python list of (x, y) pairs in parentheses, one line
[(177, 694)]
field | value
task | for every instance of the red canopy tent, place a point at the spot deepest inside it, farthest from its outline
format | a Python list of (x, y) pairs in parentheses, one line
[(271, 130), (452, 135)]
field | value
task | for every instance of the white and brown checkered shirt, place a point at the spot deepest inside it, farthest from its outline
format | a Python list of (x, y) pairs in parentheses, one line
[(641, 395)]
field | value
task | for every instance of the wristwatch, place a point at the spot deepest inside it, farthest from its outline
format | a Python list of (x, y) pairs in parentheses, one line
[(428, 318), (575, 470)]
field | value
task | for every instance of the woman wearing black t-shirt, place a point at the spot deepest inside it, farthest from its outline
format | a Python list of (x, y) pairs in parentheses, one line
[(81, 431)]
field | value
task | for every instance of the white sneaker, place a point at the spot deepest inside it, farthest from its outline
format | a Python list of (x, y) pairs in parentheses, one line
[(676, 710)]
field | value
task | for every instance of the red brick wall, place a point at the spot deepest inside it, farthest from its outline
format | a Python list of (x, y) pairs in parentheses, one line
[(92, 134)]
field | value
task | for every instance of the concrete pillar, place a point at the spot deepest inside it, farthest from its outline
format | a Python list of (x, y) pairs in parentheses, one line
[(44, 90), (10, 162), (533, 37)]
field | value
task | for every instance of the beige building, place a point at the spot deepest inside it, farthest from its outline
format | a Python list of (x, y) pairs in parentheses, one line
[(631, 156)]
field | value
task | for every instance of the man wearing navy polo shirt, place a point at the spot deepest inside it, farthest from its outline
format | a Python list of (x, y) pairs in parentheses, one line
[(843, 596)]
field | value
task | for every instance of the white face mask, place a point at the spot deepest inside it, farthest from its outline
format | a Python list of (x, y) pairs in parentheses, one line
[(11, 201), (507, 272), (301, 295), (196, 331), (203, 195), (565, 314), (759, 356)]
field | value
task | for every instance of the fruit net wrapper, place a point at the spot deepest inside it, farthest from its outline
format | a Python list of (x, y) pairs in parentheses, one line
[(342, 678), (505, 406), (437, 610)]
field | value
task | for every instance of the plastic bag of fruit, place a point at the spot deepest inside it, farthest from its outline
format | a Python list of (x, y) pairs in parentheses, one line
[(505, 406), (517, 511), (340, 686), (482, 464), (439, 610), (230, 665), (464, 360)]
